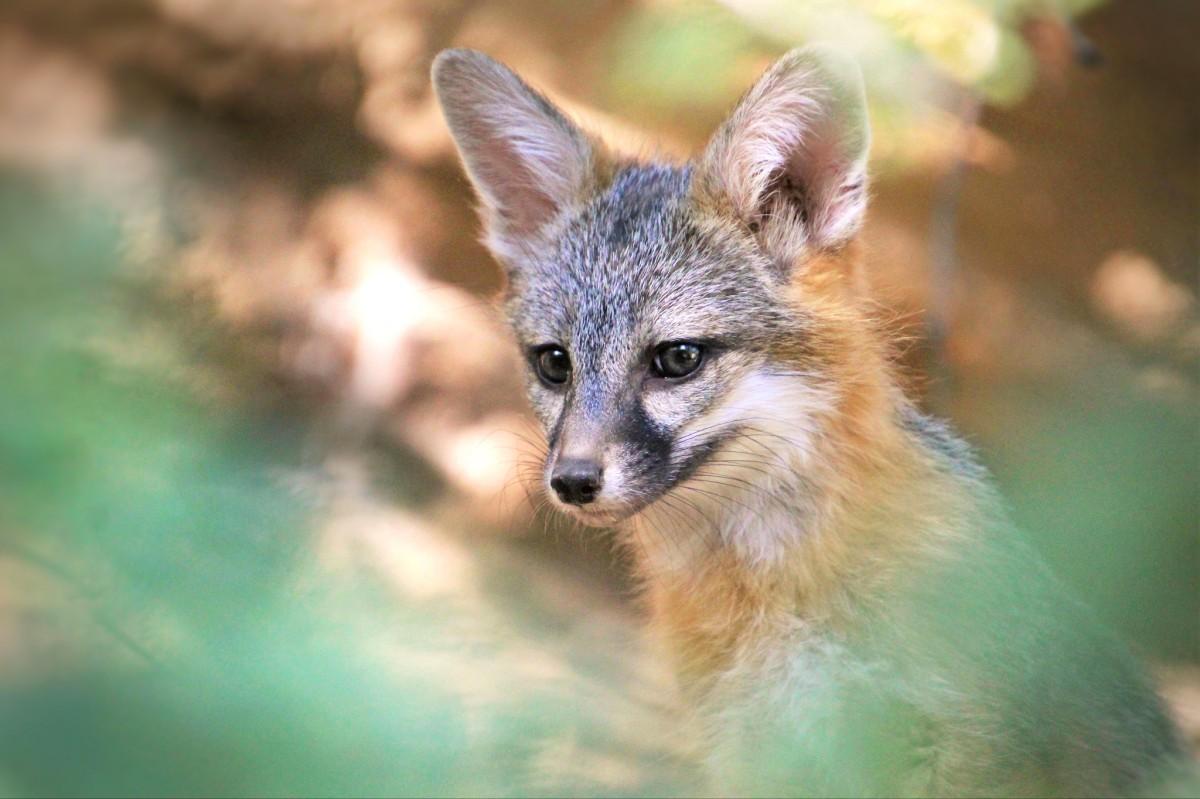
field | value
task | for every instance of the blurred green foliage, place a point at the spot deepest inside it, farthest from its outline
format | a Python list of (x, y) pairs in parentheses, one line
[(1104, 480), (147, 503)]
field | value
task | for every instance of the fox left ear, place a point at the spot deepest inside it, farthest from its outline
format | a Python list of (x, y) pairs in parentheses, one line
[(527, 160), (791, 160)]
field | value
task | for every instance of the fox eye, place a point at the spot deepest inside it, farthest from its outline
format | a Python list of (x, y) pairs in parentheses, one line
[(553, 364), (676, 359)]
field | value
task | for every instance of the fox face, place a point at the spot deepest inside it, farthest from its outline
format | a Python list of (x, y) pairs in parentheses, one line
[(654, 303), (636, 322)]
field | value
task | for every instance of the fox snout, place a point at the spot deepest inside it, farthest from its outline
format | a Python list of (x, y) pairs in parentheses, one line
[(584, 467)]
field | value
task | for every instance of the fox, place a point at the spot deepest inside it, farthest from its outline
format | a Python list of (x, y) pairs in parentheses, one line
[(829, 570)]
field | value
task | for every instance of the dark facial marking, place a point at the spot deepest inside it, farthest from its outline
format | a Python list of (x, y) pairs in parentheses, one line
[(650, 443)]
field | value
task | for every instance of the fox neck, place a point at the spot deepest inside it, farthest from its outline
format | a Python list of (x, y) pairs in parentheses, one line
[(799, 525)]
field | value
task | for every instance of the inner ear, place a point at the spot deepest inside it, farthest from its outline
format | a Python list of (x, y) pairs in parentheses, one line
[(784, 194)]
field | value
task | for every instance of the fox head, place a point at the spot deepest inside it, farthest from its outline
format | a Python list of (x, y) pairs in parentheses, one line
[(657, 305)]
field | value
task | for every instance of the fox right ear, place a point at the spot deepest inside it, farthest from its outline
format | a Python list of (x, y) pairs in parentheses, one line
[(790, 163), (525, 158)]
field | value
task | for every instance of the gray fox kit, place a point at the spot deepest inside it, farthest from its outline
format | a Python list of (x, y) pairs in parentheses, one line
[(842, 598)]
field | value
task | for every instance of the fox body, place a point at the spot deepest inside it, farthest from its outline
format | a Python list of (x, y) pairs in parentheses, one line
[(845, 604)]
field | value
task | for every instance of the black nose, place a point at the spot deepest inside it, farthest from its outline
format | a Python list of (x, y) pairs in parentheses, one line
[(577, 482)]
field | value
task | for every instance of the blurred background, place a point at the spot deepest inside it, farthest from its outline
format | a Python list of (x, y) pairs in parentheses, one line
[(266, 523)]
